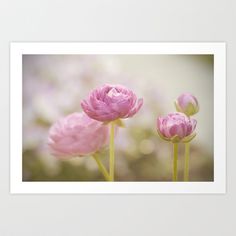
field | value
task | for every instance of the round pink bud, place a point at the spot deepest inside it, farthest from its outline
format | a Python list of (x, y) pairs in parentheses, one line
[(187, 104), (77, 135), (111, 102), (176, 127)]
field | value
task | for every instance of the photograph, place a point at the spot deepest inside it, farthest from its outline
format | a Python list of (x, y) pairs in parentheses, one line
[(117, 117)]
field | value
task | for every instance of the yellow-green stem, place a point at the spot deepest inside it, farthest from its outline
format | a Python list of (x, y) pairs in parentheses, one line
[(186, 161), (102, 167), (175, 161), (112, 151)]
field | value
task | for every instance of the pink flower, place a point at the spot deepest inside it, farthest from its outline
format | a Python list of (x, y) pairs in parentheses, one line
[(77, 135), (176, 127), (111, 102), (187, 104)]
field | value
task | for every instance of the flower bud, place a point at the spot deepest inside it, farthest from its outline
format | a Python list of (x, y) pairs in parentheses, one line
[(176, 127), (187, 104)]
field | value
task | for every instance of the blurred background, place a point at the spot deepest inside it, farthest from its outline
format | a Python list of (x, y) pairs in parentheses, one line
[(54, 85)]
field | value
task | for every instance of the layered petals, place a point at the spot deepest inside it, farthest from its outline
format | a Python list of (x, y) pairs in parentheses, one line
[(176, 127), (77, 135), (111, 102)]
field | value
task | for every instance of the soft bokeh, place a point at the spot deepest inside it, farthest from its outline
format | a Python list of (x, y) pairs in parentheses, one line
[(54, 85)]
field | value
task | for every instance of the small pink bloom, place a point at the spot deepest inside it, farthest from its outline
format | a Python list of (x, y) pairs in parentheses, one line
[(176, 127), (77, 135), (187, 104), (111, 102)]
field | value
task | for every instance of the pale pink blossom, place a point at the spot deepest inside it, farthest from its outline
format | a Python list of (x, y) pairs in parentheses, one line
[(176, 127), (77, 135), (111, 102)]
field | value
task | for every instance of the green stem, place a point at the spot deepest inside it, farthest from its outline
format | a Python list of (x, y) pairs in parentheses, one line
[(102, 168), (186, 162), (175, 161), (112, 151)]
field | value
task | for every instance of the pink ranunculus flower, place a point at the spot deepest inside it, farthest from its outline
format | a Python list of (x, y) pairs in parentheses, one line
[(187, 103), (77, 135), (111, 102), (176, 127)]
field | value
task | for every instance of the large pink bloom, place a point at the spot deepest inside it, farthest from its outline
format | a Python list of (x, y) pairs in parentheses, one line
[(111, 102), (176, 127), (77, 135)]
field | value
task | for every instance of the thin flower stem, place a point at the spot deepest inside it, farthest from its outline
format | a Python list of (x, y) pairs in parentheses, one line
[(102, 168), (112, 151), (175, 161), (186, 162)]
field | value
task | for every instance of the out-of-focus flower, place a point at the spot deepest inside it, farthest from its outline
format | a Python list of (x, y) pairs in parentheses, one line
[(176, 127), (187, 104), (77, 135), (111, 102)]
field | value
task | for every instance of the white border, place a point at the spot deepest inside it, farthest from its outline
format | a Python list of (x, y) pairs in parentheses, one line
[(18, 186)]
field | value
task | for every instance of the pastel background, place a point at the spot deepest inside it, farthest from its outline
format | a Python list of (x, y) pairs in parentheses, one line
[(54, 85)]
